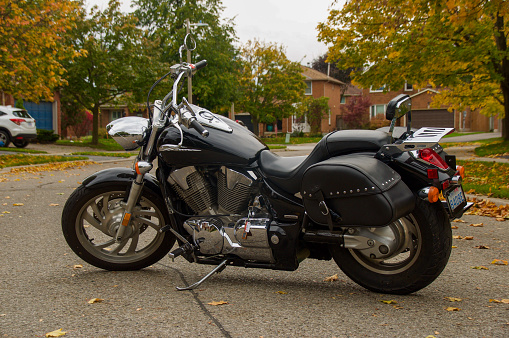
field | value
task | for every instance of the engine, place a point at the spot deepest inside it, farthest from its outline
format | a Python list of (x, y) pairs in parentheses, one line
[(230, 217)]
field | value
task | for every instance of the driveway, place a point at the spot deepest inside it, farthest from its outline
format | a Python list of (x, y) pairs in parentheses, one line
[(43, 288)]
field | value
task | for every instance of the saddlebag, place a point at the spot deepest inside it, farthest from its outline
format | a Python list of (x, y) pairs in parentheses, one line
[(355, 190)]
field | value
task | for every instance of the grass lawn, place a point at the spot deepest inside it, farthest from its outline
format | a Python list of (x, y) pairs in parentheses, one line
[(293, 140), (493, 148), (487, 178), (22, 150), (103, 144), (100, 153), (461, 134), (20, 159)]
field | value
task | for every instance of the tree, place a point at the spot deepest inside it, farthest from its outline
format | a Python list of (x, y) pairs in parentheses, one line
[(271, 85), (117, 62), (315, 109), (354, 112), (330, 68), (31, 36), (216, 86), (457, 44)]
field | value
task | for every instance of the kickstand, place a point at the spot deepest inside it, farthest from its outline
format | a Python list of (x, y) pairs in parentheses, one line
[(217, 269)]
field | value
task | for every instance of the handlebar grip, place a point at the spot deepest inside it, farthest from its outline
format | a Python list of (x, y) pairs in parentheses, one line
[(200, 64), (199, 128)]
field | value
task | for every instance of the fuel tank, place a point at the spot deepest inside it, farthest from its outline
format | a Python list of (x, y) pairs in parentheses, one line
[(231, 145)]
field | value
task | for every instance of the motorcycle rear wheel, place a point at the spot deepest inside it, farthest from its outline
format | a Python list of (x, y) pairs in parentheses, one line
[(92, 216), (422, 260)]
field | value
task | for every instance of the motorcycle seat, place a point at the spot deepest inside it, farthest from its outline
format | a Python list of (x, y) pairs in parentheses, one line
[(287, 172)]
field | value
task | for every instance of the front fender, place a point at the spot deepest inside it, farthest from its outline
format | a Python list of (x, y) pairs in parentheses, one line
[(121, 175)]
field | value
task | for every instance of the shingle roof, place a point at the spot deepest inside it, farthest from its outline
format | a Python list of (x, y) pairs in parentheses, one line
[(314, 75)]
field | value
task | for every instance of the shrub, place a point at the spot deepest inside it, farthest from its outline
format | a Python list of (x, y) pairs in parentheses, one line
[(46, 136)]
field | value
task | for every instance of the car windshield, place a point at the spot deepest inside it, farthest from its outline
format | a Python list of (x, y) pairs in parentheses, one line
[(22, 114)]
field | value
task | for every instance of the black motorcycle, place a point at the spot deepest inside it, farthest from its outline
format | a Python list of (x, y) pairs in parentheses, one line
[(380, 206)]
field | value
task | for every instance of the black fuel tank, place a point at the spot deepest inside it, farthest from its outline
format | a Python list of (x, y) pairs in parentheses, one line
[(240, 147)]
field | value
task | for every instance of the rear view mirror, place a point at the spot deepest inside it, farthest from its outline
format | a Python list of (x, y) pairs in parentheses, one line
[(398, 107)]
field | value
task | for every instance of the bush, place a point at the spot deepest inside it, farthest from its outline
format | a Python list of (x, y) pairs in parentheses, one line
[(102, 133), (46, 136), (297, 133)]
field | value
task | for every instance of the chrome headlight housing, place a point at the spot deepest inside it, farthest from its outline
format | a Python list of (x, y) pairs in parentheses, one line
[(127, 131)]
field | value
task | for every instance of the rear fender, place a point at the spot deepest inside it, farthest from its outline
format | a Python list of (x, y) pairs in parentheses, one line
[(124, 175)]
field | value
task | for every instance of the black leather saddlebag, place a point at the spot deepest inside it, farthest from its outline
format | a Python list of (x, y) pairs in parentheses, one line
[(355, 190)]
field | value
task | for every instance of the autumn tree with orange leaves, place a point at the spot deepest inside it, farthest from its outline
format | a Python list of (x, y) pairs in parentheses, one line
[(31, 45)]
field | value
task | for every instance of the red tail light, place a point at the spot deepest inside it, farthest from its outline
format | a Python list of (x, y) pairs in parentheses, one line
[(430, 156), (18, 121)]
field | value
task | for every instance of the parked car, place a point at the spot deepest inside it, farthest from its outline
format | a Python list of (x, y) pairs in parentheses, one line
[(16, 126)]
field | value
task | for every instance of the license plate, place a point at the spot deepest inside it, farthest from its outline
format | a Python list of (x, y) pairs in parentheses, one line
[(456, 199)]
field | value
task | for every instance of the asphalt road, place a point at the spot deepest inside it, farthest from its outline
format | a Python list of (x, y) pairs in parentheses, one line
[(40, 291)]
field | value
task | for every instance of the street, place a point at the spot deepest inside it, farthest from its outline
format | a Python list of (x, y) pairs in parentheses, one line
[(44, 286)]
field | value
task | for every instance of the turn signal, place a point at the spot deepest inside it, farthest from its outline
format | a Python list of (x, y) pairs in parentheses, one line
[(433, 193), (460, 170)]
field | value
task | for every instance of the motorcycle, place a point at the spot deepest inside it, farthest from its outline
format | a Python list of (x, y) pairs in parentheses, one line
[(378, 203)]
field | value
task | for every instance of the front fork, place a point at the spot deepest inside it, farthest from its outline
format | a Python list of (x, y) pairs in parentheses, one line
[(141, 168)]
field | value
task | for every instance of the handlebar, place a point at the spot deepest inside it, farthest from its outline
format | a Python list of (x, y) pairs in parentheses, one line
[(199, 128), (200, 64)]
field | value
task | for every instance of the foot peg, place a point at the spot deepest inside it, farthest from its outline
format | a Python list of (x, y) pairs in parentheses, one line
[(217, 269)]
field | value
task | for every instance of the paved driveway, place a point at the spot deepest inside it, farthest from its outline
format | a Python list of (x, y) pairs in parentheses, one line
[(41, 291)]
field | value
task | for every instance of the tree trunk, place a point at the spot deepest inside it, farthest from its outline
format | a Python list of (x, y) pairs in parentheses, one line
[(256, 127), (95, 124)]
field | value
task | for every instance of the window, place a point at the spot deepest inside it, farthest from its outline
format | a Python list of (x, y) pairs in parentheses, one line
[(116, 114), (408, 87), (377, 109), (343, 100), (378, 90), (309, 88)]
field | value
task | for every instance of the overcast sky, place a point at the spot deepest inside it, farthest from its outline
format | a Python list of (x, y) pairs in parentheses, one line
[(291, 23)]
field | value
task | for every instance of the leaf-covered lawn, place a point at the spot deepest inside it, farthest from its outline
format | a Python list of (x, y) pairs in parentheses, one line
[(20, 159), (487, 178)]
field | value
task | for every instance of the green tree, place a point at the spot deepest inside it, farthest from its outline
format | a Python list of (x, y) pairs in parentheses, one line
[(457, 44), (216, 86), (315, 109), (31, 36), (271, 85), (117, 61)]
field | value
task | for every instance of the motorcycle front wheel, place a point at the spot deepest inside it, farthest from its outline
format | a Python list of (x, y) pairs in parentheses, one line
[(92, 215), (424, 253)]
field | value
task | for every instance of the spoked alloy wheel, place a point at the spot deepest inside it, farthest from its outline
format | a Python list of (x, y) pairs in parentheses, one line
[(424, 244), (92, 216), (5, 139)]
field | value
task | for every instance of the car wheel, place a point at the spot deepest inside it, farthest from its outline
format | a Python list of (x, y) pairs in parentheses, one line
[(5, 139), (20, 144)]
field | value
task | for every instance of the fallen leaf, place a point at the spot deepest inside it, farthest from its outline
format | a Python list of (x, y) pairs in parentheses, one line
[(18, 204), (454, 227), (482, 247), (500, 219), (282, 292), (457, 237), (454, 247), (217, 303), (476, 225), (54, 205), (452, 299), (480, 267), (5, 212), (388, 302), (450, 308), (60, 193), (468, 238), (139, 309), (7, 197), (499, 262), (95, 300), (331, 278), (56, 333), (459, 221), (77, 266), (505, 301)]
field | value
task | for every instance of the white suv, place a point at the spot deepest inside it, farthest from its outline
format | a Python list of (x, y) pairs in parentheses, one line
[(16, 125)]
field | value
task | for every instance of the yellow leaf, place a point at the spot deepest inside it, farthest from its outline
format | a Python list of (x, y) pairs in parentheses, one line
[(18, 204), (5, 212), (450, 308), (56, 333), (452, 299), (459, 221), (54, 204), (218, 303), (457, 237), (389, 302), (468, 238), (499, 262), (95, 300), (331, 278), (477, 225), (282, 292), (454, 227), (480, 267), (454, 247), (77, 266)]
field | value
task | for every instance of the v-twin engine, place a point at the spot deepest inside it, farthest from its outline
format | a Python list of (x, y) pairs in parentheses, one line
[(230, 217)]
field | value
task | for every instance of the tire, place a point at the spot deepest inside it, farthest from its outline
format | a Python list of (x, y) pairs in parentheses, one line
[(5, 138), (20, 144), (92, 215), (421, 259)]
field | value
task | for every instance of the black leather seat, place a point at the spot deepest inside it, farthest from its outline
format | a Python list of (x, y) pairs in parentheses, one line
[(287, 172)]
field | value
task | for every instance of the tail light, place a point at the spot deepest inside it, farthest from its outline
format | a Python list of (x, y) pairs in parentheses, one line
[(430, 156), (18, 121)]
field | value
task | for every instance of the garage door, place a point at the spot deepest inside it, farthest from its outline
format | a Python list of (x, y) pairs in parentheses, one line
[(432, 118), (42, 112)]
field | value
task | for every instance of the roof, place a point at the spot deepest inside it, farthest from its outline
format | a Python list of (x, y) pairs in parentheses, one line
[(313, 75), (425, 91), (352, 90)]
